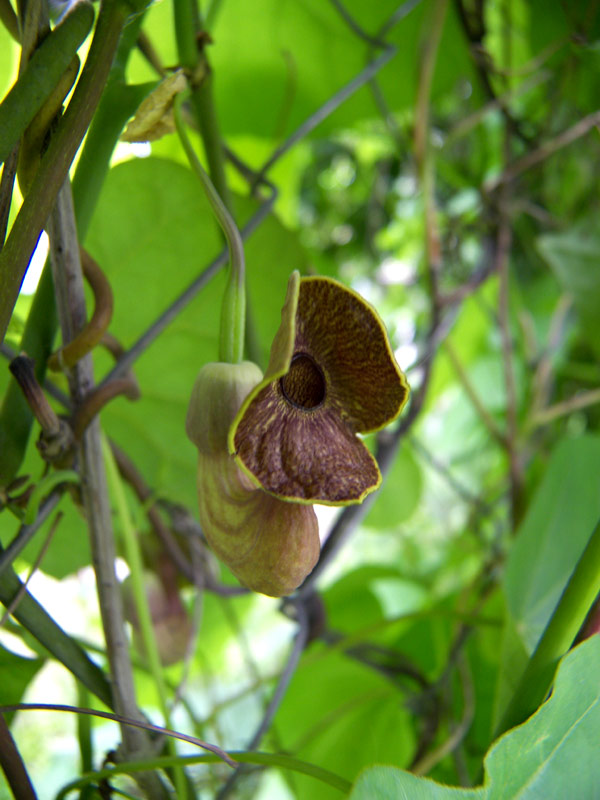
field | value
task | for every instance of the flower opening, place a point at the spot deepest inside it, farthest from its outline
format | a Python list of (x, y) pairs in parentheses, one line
[(331, 375)]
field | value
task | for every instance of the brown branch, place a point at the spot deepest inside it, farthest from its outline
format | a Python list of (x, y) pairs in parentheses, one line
[(534, 157), (93, 331), (94, 402), (13, 765), (512, 424), (70, 301), (465, 382)]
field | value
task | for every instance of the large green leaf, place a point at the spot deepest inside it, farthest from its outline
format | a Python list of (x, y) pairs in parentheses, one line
[(556, 529), (275, 63), (553, 755), (399, 497), (152, 234), (573, 257), (341, 715)]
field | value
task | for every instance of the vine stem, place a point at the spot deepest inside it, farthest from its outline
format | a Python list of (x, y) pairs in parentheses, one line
[(70, 301), (233, 316), (568, 617), (134, 560), (55, 164)]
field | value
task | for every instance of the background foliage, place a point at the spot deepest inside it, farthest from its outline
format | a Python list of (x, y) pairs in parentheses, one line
[(441, 158)]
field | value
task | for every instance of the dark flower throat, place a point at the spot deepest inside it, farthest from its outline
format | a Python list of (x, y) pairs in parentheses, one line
[(304, 384)]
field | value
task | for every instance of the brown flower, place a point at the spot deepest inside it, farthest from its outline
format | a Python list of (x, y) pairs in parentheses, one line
[(331, 375), (291, 435)]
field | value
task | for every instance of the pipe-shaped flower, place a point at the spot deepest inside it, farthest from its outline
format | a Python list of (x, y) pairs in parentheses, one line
[(271, 446), (270, 546), (331, 375)]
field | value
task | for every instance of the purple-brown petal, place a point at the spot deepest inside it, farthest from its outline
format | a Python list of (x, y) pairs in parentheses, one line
[(331, 374), (306, 456), (347, 339)]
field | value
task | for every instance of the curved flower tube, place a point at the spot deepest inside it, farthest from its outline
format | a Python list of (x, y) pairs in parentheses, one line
[(269, 446), (269, 546)]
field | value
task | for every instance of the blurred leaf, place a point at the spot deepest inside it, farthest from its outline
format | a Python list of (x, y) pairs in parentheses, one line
[(573, 257), (554, 754), (355, 716), (16, 673), (350, 602), (556, 528), (276, 66), (400, 495)]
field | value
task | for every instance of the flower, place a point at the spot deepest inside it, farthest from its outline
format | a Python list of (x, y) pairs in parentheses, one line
[(270, 446), (330, 376), (269, 545)]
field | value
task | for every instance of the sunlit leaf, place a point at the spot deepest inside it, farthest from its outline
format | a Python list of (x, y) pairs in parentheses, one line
[(554, 754)]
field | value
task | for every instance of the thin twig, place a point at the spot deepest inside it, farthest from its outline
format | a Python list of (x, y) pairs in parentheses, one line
[(429, 760), (575, 403), (374, 41), (544, 151), (13, 765), (34, 567), (328, 108), (27, 532), (68, 280), (463, 379), (512, 425), (123, 721)]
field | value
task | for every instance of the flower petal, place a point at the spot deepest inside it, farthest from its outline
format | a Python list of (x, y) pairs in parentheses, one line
[(271, 546), (346, 337), (331, 374), (310, 457)]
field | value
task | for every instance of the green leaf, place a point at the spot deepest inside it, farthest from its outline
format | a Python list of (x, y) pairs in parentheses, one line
[(556, 529), (390, 783), (554, 754), (573, 257), (275, 67), (152, 234), (16, 673), (352, 719), (400, 495)]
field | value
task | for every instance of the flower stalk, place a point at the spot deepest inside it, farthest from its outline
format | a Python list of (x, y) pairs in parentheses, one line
[(233, 314)]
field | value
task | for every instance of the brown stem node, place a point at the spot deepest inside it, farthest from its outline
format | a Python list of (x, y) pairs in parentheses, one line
[(22, 367), (97, 399)]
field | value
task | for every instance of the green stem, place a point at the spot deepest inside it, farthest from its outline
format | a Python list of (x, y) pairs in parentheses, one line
[(568, 617), (55, 164), (33, 617), (41, 75), (117, 104), (248, 757), (134, 559), (193, 60), (233, 317)]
